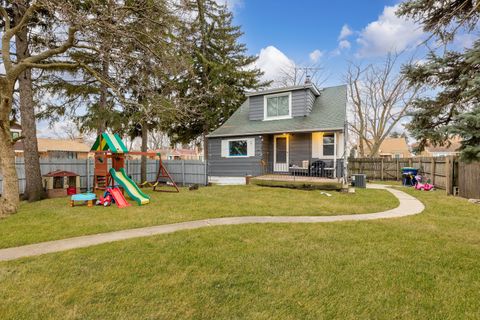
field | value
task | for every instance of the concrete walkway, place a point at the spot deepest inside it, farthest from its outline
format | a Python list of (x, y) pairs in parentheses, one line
[(408, 206)]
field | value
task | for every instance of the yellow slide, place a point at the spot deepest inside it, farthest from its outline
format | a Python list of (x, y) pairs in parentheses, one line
[(129, 186)]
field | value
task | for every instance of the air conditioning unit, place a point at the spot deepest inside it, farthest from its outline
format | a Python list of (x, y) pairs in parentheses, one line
[(359, 180)]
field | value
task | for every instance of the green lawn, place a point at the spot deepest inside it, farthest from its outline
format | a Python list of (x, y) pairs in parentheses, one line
[(419, 267), (54, 219)]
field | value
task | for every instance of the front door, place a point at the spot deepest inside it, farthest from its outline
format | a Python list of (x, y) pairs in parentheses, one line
[(280, 153)]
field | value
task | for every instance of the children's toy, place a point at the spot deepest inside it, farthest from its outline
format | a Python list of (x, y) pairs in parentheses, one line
[(61, 183), (110, 148), (422, 186), (84, 197), (129, 186), (118, 197), (113, 195)]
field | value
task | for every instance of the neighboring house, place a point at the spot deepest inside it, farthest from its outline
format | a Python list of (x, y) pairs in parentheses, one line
[(392, 148), (52, 148), (179, 154), (451, 148), (279, 131), (15, 130)]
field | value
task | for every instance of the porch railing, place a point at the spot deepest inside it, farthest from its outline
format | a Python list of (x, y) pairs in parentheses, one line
[(315, 169)]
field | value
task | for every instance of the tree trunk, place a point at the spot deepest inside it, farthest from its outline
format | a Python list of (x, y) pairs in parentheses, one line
[(9, 199), (103, 92), (143, 163), (33, 178)]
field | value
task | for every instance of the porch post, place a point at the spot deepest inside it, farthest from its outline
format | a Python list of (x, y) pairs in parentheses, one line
[(334, 154)]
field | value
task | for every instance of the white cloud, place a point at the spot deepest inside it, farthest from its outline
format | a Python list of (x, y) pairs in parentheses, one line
[(274, 63), (344, 44), (345, 32), (315, 55), (387, 34)]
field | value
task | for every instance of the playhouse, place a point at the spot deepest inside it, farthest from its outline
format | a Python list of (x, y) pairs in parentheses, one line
[(61, 183), (110, 152)]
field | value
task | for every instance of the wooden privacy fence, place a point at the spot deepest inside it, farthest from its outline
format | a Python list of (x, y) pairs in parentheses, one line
[(469, 180), (184, 172), (448, 173)]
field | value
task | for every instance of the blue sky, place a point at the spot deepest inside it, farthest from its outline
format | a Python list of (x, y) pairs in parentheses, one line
[(309, 32), (314, 33)]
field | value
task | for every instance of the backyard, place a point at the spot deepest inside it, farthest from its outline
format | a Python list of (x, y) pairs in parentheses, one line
[(55, 219), (423, 266)]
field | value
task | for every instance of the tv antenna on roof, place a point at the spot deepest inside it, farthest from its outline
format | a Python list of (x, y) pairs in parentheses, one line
[(306, 74)]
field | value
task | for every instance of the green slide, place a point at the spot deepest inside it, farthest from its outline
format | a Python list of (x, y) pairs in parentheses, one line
[(130, 187)]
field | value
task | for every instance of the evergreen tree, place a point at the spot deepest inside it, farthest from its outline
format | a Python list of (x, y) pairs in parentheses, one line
[(455, 109), (221, 72)]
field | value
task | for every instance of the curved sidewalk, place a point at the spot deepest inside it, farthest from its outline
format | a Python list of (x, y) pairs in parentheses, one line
[(408, 206)]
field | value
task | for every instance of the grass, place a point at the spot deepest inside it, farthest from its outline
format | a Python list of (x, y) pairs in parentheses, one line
[(54, 219), (418, 267)]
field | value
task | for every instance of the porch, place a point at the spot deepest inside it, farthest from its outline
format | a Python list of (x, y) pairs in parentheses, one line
[(303, 156)]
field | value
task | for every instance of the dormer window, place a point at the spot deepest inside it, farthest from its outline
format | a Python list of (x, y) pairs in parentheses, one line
[(278, 106)]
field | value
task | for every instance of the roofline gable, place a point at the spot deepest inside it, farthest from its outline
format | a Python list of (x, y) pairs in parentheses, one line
[(310, 86)]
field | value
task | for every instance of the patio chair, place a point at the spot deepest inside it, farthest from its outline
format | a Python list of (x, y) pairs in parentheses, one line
[(317, 168)]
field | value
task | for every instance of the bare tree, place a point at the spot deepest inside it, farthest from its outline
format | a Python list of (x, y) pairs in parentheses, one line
[(380, 97), (294, 75), (158, 140), (75, 28)]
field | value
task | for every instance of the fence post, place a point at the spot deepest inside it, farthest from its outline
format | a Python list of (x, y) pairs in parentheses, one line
[(398, 169), (87, 165), (448, 175), (433, 170), (205, 171), (381, 170), (183, 173)]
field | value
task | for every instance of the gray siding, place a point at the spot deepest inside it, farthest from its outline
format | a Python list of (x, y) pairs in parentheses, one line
[(256, 107), (300, 148), (219, 166), (302, 102), (310, 101), (299, 103)]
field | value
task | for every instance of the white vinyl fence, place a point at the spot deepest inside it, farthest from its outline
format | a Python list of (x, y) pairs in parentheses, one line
[(183, 172)]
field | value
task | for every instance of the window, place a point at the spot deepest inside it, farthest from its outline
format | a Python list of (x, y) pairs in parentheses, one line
[(238, 148), (15, 134), (328, 144), (277, 107)]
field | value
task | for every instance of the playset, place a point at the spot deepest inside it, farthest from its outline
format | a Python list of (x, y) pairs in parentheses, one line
[(109, 184)]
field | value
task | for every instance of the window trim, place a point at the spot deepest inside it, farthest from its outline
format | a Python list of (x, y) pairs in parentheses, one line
[(317, 145), (329, 144), (282, 94), (238, 139)]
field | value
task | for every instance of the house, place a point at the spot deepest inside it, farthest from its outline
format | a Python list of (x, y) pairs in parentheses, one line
[(57, 148), (15, 130), (450, 148), (392, 148), (179, 153), (283, 130), (52, 148)]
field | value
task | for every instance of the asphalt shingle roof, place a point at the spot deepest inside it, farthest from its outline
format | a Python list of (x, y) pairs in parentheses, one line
[(328, 113)]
